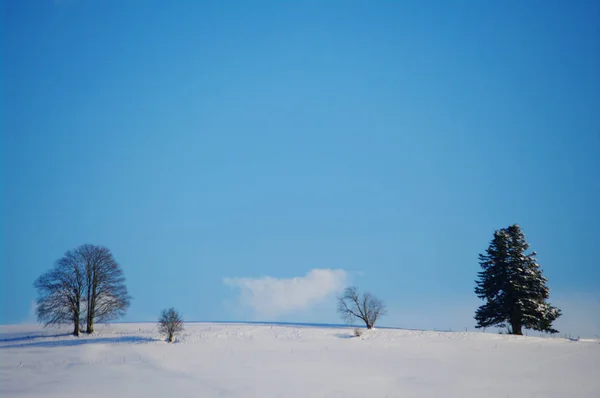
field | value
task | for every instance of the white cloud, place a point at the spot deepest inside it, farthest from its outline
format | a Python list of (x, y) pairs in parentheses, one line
[(271, 298)]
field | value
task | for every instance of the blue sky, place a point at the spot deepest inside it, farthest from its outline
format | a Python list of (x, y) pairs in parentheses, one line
[(220, 149)]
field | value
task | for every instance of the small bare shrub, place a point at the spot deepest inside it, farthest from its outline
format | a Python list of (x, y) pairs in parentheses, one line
[(358, 332), (170, 324)]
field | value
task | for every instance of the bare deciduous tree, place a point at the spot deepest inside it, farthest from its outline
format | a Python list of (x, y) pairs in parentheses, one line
[(106, 293), (86, 281), (367, 307), (60, 292), (170, 323)]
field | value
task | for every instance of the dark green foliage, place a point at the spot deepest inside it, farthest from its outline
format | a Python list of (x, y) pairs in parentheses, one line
[(512, 284)]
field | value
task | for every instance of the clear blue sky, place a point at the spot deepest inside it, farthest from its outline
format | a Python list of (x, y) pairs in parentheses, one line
[(209, 140)]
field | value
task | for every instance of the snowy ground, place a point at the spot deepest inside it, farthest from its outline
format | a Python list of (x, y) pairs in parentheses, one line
[(240, 360)]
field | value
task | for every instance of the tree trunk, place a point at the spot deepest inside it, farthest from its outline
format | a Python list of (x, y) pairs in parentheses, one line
[(516, 328), (76, 326), (90, 326), (92, 303), (90, 320), (91, 314), (76, 316), (89, 329)]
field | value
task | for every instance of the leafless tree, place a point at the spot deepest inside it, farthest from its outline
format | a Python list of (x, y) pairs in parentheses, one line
[(60, 292), (170, 324), (367, 307), (86, 280), (106, 294)]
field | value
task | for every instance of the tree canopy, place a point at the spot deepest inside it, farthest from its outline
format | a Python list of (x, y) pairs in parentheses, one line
[(512, 284)]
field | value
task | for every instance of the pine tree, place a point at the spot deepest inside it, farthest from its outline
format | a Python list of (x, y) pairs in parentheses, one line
[(513, 286)]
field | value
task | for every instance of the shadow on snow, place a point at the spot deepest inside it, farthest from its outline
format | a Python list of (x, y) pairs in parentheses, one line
[(30, 337), (344, 336), (75, 341)]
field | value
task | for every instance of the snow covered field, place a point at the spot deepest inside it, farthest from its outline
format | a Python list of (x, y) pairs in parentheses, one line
[(243, 360)]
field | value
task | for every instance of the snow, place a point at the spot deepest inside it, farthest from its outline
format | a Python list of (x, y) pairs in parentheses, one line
[(248, 360)]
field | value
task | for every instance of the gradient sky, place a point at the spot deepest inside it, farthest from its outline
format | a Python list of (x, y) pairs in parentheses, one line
[(220, 149)]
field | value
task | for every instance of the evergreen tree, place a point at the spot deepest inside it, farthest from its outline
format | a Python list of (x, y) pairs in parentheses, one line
[(513, 286)]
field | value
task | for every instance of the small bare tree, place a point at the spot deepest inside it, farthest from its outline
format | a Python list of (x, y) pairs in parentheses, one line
[(170, 324), (367, 307)]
